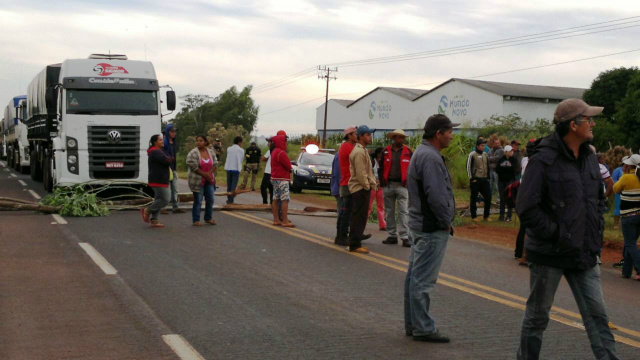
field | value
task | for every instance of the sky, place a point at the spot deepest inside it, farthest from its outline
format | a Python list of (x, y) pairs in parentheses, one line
[(205, 47)]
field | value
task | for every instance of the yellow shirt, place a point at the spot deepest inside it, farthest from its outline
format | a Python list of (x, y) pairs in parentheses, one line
[(629, 189)]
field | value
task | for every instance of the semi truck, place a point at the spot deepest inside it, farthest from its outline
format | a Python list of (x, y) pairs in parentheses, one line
[(90, 120), (15, 143)]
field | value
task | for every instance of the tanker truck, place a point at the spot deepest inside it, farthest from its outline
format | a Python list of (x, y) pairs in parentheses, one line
[(15, 144), (90, 120)]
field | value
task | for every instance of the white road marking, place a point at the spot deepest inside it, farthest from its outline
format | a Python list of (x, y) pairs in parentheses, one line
[(35, 194), (22, 183), (1, 164), (14, 175), (6, 169), (98, 259), (59, 219), (181, 347)]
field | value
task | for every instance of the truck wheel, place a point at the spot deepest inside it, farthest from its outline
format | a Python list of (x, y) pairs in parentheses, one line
[(32, 165), (9, 158), (37, 167), (16, 160), (47, 176)]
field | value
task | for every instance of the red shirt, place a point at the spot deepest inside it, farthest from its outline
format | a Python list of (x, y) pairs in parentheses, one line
[(343, 158)]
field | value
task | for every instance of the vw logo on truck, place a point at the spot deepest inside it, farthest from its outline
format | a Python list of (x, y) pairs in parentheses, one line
[(114, 136)]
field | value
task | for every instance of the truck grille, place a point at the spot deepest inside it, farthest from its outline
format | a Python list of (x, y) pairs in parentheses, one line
[(102, 151)]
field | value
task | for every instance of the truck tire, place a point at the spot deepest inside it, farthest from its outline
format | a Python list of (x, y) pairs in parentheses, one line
[(32, 165), (9, 158), (47, 176), (16, 160), (36, 166)]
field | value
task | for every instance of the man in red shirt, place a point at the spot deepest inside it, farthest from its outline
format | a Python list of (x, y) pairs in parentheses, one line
[(345, 204)]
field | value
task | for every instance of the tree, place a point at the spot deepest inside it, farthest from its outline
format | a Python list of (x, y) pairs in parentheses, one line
[(609, 88), (628, 114), (234, 108)]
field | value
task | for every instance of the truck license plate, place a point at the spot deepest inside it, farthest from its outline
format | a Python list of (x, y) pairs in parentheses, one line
[(324, 181), (114, 164)]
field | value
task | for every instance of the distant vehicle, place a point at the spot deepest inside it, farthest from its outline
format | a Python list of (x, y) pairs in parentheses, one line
[(312, 171), (14, 131), (89, 120)]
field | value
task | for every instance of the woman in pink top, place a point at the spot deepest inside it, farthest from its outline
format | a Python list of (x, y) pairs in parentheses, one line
[(202, 163)]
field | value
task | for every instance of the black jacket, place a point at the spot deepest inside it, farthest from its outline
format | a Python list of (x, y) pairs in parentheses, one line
[(561, 203), (159, 164), (253, 155), (506, 169)]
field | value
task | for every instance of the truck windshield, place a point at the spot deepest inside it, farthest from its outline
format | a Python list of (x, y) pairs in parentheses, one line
[(111, 102)]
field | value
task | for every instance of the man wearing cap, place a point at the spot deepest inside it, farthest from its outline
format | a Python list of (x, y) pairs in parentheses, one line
[(431, 213), (361, 182), (479, 172), (517, 156), (393, 180), (344, 215), (561, 203), (170, 148), (252, 156), (629, 188)]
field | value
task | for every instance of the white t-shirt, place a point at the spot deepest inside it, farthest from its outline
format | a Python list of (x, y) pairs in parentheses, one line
[(235, 155), (604, 172), (267, 168)]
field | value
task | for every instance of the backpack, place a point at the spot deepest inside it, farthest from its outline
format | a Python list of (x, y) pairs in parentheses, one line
[(511, 193)]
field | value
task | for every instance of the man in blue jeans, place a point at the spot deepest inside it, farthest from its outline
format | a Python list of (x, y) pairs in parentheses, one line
[(561, 203), (233, 166), (431, 211)]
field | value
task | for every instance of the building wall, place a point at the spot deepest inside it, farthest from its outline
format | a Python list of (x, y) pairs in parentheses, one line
[(531, 109), (337, 117)]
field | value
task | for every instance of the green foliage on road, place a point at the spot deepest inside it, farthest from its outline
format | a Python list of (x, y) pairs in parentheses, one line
[(76, 200)]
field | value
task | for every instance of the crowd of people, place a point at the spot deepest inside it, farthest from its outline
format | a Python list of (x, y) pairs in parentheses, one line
[(557, 187)]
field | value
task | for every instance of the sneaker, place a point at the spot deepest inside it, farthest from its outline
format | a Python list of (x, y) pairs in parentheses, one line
[(156, 224), (253, 189), (211, 222), (405, 243), (475, 220), (619, 264), (179, 211), (507, 219), (365, 237), (197, 223), (360, 250), (341, 241), (487, 219), (390, 241), (436, 337)]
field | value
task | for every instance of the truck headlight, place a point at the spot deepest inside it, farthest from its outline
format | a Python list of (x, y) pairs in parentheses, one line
[(302, 172), (71, 143), (72, 159)]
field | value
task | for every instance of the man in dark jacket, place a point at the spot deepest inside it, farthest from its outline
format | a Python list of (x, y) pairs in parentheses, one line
[(506, 170), (479, 172), (252, 165), (561, 203), (171, 149), (431, 212)]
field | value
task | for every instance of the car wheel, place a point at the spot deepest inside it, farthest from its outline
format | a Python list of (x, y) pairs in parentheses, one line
[(295, 187)]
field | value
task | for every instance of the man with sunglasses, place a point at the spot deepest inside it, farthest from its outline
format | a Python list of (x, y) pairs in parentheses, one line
[(561, 204)]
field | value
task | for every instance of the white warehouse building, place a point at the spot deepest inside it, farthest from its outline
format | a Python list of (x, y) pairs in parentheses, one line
[(462, 100)]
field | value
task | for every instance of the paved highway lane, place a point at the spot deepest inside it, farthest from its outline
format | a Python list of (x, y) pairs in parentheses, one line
[(246, 290)]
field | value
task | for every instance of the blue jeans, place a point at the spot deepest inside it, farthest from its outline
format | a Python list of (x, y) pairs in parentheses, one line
[(493, 182), (161, 197), (175, 203), (232, 184), (427, 253), (630, 231), (207, 192), (585, 285)]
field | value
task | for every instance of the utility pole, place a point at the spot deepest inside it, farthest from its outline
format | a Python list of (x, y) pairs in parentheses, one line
[(327, 75)]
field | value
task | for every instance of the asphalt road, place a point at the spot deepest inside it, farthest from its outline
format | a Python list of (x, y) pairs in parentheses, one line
[(246, 290)]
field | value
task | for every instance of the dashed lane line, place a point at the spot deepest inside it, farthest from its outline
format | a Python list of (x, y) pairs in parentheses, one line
[(181, 347), (477, 290), (59, 219), (34, 194), (22, 183), (102, 263), (14, 175)]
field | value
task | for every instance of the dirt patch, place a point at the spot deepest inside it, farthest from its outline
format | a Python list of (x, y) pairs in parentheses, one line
[(611, 251)]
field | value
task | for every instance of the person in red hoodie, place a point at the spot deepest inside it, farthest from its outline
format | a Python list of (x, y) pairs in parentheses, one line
[(280, 176), (159, 178)]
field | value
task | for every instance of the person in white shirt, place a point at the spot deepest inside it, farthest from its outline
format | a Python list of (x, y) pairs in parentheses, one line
[(266, 179), (233, 166)]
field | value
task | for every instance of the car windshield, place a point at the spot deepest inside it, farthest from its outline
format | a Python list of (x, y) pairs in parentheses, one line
[(111, 102), (320, 158)]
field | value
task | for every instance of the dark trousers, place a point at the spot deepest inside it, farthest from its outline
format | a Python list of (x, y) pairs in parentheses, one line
[(232, 184), (502, 186), (520, 241), (480, 186), (264, 186), (344, 216), (359, 216)]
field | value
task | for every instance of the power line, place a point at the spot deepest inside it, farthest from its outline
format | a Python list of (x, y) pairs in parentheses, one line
[(469, 77), (283, 84), (275, 82)]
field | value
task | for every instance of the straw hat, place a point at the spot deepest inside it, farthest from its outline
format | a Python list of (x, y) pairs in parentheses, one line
[(395, 132)]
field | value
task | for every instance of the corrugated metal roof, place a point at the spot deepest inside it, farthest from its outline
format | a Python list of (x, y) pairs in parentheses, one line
[(529, 91), (342, 102), (406, 93)]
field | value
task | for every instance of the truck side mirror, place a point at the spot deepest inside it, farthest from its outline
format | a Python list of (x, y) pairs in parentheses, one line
[(50, 100), (171, 100)]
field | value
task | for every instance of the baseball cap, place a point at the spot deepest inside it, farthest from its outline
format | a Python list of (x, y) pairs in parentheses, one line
[(349, 130), (363, 129), (480, 142), (624, 158), (281, 132), (508, 148), (633, 160), (515, 142), (437, 122), (570, 108)]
